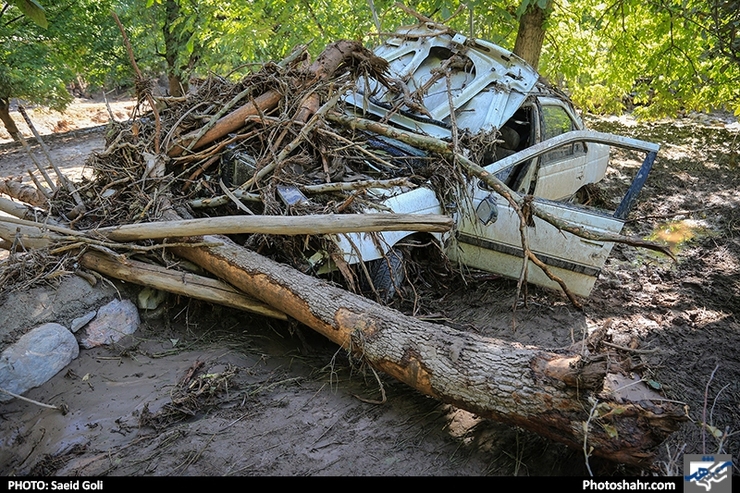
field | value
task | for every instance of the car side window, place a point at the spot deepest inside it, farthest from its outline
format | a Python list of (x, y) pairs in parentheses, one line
[(557, 121)]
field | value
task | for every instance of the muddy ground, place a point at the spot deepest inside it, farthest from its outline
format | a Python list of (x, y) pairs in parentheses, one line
[(274, 398)]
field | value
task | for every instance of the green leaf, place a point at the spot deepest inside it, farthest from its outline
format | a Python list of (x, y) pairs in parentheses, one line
[(33, 10), (610, 430), (716, 432), (654, 384)]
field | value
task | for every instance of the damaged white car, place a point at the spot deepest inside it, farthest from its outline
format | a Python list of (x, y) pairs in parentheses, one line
[(541, 148)]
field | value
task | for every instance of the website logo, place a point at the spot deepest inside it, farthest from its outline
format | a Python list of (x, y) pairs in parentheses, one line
[(705, 473)]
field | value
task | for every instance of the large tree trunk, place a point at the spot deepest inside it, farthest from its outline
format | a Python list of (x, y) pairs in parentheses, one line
[(8, 120), (567, 396), (551, 394), (531, 33)]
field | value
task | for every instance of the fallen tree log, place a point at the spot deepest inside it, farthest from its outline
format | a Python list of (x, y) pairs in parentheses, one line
[(545, 392), (176, 282), (21, 210), (25, 193), (279, 225), (26, 234), (11, 227), (548, 393), (120, 267)]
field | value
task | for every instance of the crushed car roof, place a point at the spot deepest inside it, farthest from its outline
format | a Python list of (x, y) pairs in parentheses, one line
[(483, 82)]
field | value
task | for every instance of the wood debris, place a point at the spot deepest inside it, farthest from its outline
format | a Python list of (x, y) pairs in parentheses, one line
[(275, 149)]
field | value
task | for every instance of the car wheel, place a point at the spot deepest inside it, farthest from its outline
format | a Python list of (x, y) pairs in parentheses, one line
[(386, 274)]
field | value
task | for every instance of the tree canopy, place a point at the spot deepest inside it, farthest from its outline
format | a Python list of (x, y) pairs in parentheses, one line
[(42, 50), (659, 57), (665, 56)]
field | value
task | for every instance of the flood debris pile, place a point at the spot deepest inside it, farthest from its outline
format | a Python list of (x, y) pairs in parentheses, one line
[(278, 157), (281, 157)]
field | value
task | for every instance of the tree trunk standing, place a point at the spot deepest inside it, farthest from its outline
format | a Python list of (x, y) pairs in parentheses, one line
[(172, 47), (531, 33), (8, 120)]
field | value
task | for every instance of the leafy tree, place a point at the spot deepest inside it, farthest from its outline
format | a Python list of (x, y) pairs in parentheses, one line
[(664, 56), (44, 49), (661, 56), (24, 52)]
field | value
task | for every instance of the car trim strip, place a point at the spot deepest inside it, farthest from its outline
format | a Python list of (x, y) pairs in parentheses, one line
[(519, 252)]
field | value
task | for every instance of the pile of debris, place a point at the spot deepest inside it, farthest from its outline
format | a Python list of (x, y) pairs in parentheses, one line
[(262, 146), (277, 157)]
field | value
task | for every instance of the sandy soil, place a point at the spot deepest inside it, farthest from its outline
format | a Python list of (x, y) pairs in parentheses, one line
[(274, 398)]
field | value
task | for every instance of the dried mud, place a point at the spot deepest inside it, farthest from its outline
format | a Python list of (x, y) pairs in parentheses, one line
[(274, 398)]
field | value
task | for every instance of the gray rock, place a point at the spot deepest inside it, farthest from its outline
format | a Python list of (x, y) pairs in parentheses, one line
[(35, 358), (115, 320), (80, 322), (72, 298)]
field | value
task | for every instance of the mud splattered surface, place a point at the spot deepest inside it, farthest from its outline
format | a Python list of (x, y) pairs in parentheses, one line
[(203, 390)]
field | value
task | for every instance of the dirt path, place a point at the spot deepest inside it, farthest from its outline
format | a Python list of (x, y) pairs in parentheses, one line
[(275, 398)]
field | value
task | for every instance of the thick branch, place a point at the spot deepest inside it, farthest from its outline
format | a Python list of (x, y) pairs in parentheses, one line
[(280, 225), (176, 282)]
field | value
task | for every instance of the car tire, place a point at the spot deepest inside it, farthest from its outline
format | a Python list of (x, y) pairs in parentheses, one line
[(386, 274)]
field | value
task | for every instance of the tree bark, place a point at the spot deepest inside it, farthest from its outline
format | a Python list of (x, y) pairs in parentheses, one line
[(7, 120), (229, 123), (25, 193), (531, 33), (548, 393), (172, 46), (181, 283)]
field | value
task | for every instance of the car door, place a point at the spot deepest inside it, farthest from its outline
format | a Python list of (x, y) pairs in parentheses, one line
[(496, 246), (488, 235)]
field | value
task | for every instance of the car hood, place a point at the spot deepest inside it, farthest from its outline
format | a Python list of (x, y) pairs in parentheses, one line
[(433, 69)]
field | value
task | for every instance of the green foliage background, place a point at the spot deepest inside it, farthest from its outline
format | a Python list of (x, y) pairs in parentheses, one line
[(660, 57)]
